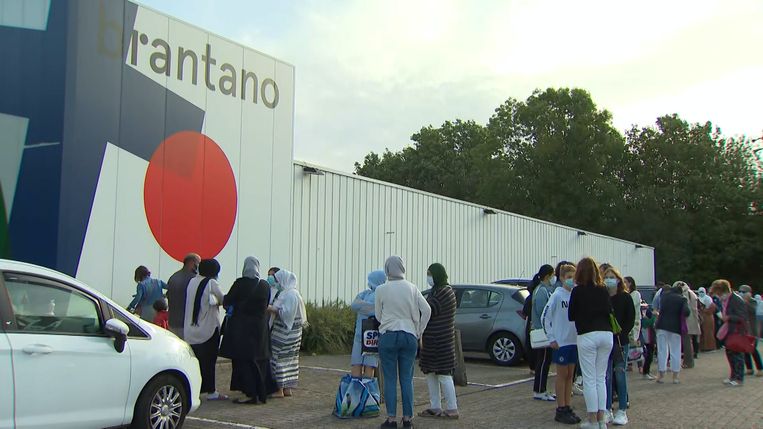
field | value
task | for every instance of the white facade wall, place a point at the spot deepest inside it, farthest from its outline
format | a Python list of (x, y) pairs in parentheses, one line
[(344, 226)]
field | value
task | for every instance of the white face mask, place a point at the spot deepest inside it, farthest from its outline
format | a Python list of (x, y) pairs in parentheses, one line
[(430, 281)]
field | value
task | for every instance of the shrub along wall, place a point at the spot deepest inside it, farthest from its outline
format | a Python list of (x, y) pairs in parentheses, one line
[(331, 328)]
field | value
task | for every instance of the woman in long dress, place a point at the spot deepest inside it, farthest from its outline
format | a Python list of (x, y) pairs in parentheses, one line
[(707, 318), (247, 335), (290, 317)]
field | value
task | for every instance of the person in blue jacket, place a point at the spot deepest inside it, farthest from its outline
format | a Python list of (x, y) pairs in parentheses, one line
[(364, 366), (148, 291)]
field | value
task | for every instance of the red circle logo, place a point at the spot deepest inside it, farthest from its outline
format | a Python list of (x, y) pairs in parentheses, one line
[(190, 196)]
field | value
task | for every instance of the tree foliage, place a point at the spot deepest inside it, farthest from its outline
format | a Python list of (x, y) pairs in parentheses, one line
[(683, 188)]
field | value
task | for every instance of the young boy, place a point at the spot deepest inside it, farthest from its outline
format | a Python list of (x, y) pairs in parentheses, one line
[(562, 335)]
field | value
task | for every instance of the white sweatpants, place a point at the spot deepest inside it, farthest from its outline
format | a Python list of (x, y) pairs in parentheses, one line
[(668, 343), (593, 354), (434, 382)]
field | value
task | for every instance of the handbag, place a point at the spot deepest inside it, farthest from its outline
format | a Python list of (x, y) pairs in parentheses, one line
[(357, 397), (370, 335), (635, 353), (740, 343), (618, 356), (538, 339), (614, 324)]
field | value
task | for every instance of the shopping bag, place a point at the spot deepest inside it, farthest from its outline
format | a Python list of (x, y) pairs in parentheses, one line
[(357, 397), (538, 339), (635, 353), (370, 338)]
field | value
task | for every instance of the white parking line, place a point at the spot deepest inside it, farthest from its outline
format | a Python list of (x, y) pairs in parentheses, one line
[(219, 422), (490, 386)]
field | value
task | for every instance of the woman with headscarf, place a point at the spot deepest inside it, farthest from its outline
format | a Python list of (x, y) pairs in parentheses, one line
[(707, 317), (247, 335), (403, 314), (364, 365), (438, 352), (148, 291), (289, 318), (202, 323)]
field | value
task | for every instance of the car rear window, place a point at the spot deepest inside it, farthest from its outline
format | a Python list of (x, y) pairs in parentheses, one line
[(520, 296)]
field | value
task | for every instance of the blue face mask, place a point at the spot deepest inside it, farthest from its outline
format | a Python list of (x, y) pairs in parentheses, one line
[(611, 283), (570, 283), (272, 280)]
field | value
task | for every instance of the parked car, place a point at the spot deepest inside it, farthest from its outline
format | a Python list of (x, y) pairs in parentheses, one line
[(514, 282), (72, 358), (489, 318)]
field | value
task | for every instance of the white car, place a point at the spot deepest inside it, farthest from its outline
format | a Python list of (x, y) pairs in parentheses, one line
[(72, 358)]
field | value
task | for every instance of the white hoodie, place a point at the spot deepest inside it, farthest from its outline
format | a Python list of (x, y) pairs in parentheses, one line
[(555, 321)]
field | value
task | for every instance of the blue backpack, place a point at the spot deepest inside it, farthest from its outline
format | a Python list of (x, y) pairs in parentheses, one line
[(357, 397)]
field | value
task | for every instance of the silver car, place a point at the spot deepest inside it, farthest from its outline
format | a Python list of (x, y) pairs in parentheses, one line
[(489, 317)]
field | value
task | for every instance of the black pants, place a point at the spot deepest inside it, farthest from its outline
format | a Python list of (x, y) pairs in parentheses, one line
[(695, 345), (542, 365), (748, 358), (648, 358), (206, 353)]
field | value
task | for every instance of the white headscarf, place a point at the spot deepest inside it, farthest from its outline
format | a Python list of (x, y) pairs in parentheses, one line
[(394, 268), (251, 268), (290, 302), (704, 298)]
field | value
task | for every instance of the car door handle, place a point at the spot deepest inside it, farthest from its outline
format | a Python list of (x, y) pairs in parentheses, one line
[(485, 316), (38, 349)]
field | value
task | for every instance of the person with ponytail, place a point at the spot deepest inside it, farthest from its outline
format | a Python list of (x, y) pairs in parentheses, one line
[(543, 288)]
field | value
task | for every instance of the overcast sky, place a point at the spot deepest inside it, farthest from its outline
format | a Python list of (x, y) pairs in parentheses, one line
[(371, 73)]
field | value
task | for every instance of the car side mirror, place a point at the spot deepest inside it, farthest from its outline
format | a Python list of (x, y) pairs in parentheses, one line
[(118, 330)]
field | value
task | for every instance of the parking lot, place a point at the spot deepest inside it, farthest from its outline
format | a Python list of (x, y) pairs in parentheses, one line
[(499, 397)]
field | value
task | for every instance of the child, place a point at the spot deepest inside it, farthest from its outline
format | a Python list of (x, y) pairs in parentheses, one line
[(562, 335), (162, 315)]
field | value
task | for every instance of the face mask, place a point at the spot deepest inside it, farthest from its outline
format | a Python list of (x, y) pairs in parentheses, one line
[(272, 280), (552, 280), (430, 281), (611, 283), (570, 283)]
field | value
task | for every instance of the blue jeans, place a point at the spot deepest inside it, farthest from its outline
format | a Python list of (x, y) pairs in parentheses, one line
[(620, 378), (397, 352)]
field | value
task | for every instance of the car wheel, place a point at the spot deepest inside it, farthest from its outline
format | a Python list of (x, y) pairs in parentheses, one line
[(162, 404), (505, 349)]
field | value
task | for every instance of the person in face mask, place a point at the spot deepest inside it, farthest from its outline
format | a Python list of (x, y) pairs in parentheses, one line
[(438, 354), (707, 311), (625, 313), (543, 288), (562, 335), (363, 305)]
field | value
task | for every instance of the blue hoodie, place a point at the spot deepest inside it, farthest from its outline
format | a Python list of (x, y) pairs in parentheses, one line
[(364, 302)]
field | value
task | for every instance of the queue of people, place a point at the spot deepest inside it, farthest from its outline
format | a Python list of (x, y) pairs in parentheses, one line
[(261, 332), (591, 315)]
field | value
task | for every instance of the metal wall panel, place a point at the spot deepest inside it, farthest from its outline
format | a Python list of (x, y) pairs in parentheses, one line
[(345, 226)]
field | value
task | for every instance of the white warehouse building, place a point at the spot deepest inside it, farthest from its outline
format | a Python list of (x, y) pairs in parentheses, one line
[(344, 226)]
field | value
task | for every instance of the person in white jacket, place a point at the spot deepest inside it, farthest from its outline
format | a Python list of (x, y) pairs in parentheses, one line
[(562, 336)]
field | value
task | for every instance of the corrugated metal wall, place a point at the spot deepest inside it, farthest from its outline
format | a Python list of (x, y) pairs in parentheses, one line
[(344, 226)]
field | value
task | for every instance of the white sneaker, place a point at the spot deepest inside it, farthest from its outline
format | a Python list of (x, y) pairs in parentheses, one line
[(550, 397), (734, 383), (727, 381), (608, 417), (620, 418), (588, 425)]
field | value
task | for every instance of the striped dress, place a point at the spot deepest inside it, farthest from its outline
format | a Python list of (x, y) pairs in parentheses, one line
[(285, 349), (438, 353)]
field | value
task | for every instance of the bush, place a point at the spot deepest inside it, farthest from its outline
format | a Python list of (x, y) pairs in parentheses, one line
[(331, 328)]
